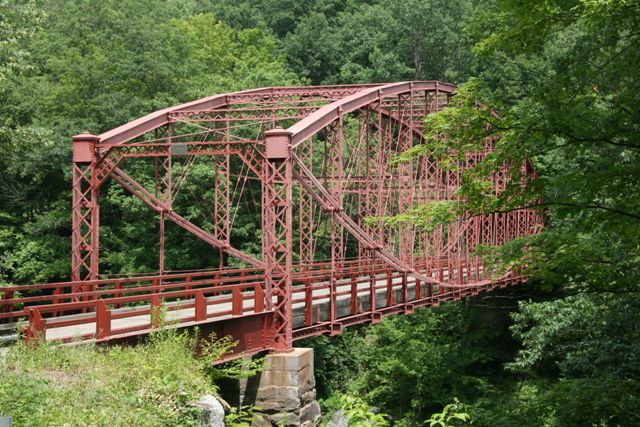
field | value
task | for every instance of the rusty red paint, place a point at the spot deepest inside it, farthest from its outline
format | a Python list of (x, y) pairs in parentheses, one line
[(323, 157)]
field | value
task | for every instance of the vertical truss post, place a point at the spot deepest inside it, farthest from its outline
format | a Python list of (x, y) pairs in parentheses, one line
[(222, 201), (163, 189), (435, 189), (384, 181), (364, 187), (336, 164), (376, 204), (405, 175), (278, 234), (161, 250), (306, 208), (421, 199), (372, 284), (85, 209)]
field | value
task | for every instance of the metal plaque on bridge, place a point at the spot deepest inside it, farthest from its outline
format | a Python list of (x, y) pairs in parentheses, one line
[(178, 149)]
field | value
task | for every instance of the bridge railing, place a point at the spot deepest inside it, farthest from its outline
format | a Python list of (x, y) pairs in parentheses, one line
[(324, 295), (188, 305), (367, 299), (16, 300), (135, 298)]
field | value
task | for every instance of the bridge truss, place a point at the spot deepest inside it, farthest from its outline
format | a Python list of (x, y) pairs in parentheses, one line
[(321, 160)]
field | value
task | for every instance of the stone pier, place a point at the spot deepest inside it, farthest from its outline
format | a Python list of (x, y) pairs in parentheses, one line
[(284, 391)]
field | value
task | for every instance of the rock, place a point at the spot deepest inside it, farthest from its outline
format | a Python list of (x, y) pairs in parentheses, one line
[(285, 419), (308, 397), (282, 393), (310, 413), (225, 405), (278, 399), (261, 420), (213, 411), (339, 419)]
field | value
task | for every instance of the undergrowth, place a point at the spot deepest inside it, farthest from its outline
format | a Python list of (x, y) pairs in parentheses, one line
[(148, 385)]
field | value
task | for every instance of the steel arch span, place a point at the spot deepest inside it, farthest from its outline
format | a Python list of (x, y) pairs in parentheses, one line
[(313, 163)]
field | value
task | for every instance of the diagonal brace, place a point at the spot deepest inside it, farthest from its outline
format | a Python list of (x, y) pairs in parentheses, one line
[(322, 196), (159, 206)]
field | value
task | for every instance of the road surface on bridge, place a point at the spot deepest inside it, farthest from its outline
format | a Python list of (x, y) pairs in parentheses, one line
[(176, 315)]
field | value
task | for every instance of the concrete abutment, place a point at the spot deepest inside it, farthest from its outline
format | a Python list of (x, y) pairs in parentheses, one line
[(284, 392)]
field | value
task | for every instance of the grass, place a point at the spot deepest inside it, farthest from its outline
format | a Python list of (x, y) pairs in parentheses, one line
[(147, 385)]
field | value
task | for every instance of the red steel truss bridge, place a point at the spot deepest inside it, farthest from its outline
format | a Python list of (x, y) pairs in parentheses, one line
[(312, 164)]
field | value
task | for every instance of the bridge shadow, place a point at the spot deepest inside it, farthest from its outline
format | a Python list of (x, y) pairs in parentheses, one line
[(240, 392)]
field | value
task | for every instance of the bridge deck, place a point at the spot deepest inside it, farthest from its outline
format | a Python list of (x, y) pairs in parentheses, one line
[(231, 302), (177, 312)]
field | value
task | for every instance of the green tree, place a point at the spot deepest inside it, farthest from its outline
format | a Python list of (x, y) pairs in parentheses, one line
[(353, 41), (412, 366), (94, 65), (560, 76), (382, 41)]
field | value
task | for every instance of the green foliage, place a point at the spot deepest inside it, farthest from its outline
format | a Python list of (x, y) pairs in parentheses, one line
[(240, 417), (235, 369), (532, 403), (149, 385), (67, 67), (20, 21), (412, 366), (451, 415), (382, 41), (571, 114), (335, 360), (349, 41), (357, 411), (558, 74), (553, 334), (427, 217)]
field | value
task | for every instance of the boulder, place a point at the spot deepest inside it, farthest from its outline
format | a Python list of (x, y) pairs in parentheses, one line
[(213, 411), (339, 419)]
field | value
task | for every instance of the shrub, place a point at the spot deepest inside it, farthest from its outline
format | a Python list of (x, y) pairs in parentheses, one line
[(147, 385)]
